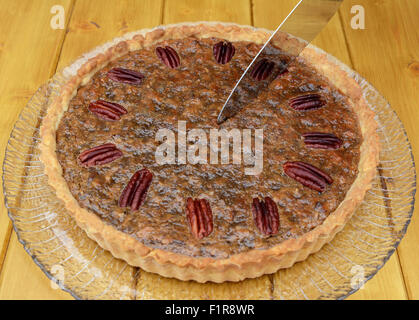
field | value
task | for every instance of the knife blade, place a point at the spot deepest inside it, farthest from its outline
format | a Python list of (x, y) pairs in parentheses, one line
[(305, 21)]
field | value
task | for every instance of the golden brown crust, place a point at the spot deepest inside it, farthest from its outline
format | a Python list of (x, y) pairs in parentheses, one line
[(249, 264)]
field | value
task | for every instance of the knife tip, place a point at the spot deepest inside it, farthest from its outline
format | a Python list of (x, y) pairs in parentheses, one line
[(220, 120)]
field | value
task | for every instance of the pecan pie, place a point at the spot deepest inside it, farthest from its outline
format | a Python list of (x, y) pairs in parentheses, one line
[(194, 220)]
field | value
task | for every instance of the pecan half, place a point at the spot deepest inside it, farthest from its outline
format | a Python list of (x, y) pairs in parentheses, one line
[(125, 76), (107, 110), (134, 193), (168, 56), (199, 215), (318, 140), (308, 175), (223, 52), (307, 102), (100, 155), (262, 69), (266, 215)]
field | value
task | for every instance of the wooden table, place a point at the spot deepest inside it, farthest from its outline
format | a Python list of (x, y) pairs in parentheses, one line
[(386, 53)]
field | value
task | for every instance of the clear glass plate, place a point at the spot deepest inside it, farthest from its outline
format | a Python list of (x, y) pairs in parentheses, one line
[(82, 268)]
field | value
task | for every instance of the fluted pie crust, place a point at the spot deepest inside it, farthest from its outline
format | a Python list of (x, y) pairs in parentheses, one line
[(249, 264)]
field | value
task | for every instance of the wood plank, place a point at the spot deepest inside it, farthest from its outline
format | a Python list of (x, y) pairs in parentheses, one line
[(91, 25), (387, 55), (237, 11), (389, 282), (331, 39), (25, 28)]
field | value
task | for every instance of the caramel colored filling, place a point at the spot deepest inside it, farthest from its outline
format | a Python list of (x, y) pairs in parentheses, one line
[(195, 92)]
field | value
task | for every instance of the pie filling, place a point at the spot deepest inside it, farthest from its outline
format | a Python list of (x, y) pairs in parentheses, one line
[(106, 145)]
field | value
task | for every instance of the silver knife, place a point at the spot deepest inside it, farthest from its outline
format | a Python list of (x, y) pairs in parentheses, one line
[(305, 21)]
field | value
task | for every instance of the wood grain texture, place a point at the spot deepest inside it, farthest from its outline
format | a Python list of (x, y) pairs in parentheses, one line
[(237, 11), (25, 28), (331, 39), (389, 60), (22, 279), (92, 25), (387, 284)]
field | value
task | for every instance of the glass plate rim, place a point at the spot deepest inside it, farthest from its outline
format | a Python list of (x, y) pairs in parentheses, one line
[(333, 58)]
